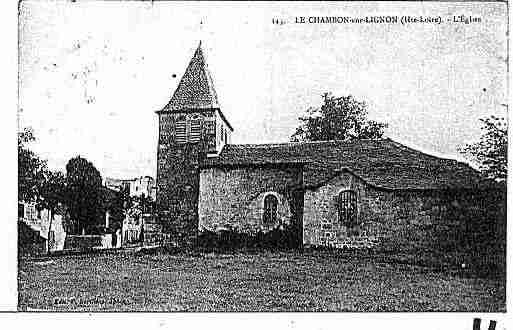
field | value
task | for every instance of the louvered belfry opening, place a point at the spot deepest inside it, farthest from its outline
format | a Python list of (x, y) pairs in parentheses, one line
[(195, 134), (188, 130), (181, 131), (270, 209), (347, 207)]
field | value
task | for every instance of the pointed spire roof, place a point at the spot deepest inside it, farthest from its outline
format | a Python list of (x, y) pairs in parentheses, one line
[(196, 88)]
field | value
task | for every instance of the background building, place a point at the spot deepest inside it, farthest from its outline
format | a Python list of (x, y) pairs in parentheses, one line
[(136, 187), (37, 231)]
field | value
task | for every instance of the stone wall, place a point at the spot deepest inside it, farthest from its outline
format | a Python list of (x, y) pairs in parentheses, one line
[(321, 226), (234, 197), (84, 242), (393, 220), (178, 177), (177, 190)]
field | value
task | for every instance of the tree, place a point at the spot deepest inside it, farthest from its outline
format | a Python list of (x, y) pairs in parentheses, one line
[(84, 193), (30, 168), (338, 118), (491, 152), (52, 191), (114, 202)]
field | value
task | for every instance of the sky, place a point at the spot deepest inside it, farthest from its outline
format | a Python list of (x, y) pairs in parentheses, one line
[(93, 73)]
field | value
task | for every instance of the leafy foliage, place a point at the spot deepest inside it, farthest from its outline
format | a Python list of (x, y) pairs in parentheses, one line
[(144, 203), (133, 206), (113, 201), (31, 168), (280, 238), (52, 191), (492, 149), (79, 189), (35, 181), (338, 118), (84, 193)]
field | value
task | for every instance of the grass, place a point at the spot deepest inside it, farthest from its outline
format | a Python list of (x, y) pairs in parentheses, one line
[(264, 281)]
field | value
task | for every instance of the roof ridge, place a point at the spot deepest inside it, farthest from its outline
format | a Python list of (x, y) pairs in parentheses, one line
[(306, 142), (403, 146)]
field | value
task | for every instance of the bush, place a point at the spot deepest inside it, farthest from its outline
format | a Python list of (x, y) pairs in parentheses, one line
[(283, 238)]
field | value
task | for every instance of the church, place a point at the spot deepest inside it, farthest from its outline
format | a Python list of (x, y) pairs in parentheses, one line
[(339, 194)]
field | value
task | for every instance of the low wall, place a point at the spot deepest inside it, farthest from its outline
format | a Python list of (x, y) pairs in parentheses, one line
[(87, 242), (29, 241)]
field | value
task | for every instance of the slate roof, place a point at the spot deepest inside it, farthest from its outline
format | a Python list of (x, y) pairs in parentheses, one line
[(381, 163), (196, 88)]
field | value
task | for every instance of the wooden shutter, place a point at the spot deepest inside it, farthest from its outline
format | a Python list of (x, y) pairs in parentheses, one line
[(181, 131), (195, 132)]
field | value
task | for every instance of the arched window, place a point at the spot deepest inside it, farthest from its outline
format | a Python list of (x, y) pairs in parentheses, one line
[(347, 207), (270, 209)]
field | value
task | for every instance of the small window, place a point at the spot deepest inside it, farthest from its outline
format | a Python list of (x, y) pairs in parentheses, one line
[(21, 211), (347, 208), (270, 209)]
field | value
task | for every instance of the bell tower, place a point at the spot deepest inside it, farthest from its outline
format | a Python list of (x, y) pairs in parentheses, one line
[(191, 128)]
